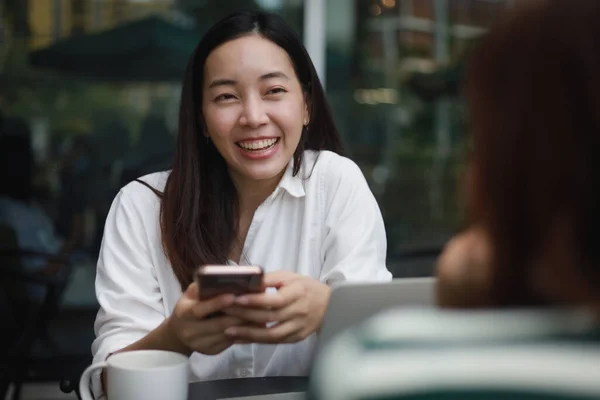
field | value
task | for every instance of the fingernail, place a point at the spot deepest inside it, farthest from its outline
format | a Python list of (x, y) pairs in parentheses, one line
[(230, 331), (241, 300)]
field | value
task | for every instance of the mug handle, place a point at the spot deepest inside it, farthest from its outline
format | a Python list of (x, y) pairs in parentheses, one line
[(84, 381)]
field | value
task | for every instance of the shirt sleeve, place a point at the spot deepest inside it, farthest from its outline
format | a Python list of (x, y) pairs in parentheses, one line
[(131, 303), (354, 246)]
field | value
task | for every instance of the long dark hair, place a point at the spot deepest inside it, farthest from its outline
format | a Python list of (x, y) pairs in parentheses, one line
[(199, 208), (533, 88)]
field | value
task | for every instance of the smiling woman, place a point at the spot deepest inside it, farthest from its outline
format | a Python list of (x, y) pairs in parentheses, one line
[(258, 179)]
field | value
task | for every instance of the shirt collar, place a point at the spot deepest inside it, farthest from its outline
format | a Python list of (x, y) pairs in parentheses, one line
[(294, 185)]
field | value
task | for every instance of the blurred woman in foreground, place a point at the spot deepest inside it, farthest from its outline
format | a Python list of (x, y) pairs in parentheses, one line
[(533, 188)]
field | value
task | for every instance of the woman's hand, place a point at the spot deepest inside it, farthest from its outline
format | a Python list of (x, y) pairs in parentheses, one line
[(294, 312), (189, 326)]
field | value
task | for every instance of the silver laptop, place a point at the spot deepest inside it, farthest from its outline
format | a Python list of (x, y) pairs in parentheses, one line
[(352, 303)]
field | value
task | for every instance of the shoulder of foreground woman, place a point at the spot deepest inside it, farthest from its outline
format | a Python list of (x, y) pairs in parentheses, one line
[(463, 271)]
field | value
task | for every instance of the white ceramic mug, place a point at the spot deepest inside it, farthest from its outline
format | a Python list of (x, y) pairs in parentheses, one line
[(141, 374)]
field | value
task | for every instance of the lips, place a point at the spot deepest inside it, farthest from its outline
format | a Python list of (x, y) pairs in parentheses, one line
[(257, 145)]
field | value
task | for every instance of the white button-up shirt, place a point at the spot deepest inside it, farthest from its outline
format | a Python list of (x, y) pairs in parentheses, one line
[(323, 223)]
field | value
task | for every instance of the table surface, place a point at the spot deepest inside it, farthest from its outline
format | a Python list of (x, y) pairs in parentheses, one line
[(225, 388)]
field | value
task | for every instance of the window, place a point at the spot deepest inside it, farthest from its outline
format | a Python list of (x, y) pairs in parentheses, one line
[(393, 69)]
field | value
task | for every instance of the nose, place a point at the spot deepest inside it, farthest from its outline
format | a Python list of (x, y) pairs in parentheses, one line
[(254, 114)]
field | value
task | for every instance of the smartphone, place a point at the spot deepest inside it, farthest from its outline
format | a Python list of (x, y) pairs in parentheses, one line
[(214, 280)]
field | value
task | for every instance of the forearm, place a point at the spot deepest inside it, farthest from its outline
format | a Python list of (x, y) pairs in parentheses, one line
[(161, 338)]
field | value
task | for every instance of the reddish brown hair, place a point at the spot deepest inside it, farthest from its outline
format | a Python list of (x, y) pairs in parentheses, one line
[(533, 92)]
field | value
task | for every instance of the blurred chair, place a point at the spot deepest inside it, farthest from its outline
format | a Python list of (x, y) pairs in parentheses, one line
[(428, 354), (26, 321), (71, 384)]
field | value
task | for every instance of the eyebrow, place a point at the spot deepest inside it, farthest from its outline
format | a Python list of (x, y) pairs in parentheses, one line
[(275, 74), (231, 82)]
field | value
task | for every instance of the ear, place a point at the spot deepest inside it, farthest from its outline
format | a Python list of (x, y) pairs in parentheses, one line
[(306, 115)]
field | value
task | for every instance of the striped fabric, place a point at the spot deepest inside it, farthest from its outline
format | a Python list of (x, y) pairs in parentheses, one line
[(428, 354)]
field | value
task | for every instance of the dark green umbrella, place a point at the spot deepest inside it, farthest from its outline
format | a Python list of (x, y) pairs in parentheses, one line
[(150, 49)]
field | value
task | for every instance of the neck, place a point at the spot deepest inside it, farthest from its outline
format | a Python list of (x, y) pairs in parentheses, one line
[(251, 193)]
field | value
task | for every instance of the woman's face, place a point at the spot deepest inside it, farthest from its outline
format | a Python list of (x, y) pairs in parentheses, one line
[(254, 107)]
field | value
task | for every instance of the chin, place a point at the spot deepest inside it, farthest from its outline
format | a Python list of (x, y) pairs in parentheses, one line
[(263, 175), (265, 171)]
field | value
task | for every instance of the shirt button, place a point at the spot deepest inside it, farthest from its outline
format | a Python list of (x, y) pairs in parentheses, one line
[(244, 373)]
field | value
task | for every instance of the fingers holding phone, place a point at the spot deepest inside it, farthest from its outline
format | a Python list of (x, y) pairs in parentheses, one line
[(198, 321), (190, 326), (292, 313), (215, 280)]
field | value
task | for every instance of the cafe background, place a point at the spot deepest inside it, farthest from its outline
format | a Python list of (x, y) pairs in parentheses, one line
[(95, 84)]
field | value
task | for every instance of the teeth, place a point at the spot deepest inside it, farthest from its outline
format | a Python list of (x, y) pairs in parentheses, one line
[(257, 144)]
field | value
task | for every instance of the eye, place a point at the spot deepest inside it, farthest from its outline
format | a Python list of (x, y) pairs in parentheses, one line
[(277, 90), (224, 97)]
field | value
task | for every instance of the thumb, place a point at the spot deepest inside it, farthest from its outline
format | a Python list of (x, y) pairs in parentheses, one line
[(191, 292), (278, 279)]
